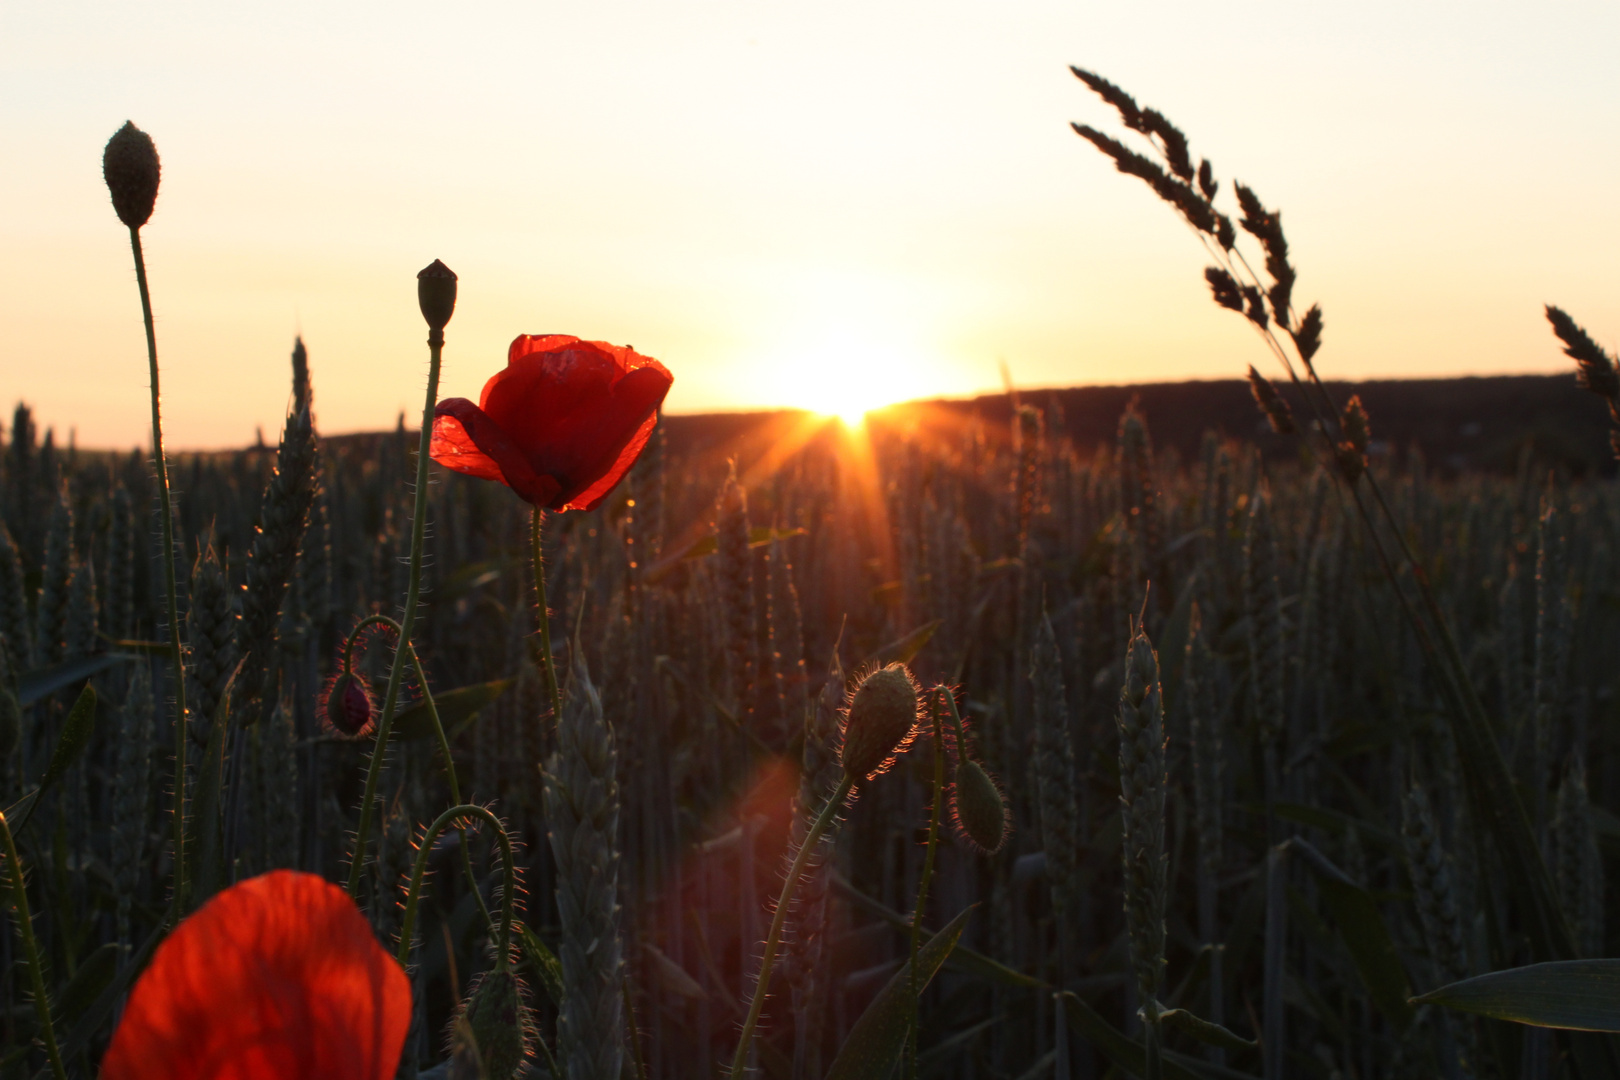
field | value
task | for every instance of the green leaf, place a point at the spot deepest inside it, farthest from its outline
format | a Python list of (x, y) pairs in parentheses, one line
[(1128, 1054), (456, 709), (81, 721), (38, 684), (904, 650), (962, 958), (1360, 925), (547, 968), (76, 731), (877, 1039), (1206, 1031), (87, 984), (1578, 995)]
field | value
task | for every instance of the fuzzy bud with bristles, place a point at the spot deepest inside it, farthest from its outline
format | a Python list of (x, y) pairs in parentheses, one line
[(1271, 403), (436, 294), (882, 716), (499, 1024), (980, 809), (1353, 447), (130, 167), (347, 708)]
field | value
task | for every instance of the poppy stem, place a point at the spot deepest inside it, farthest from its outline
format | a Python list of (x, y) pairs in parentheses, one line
[(544, 616), (25, 928), (413, 594), (503, 934), (774, 940), (438, 729), (176, 657), (927, 874)]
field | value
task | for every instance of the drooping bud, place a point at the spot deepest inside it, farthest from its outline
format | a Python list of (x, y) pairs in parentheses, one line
[(1353, 447), (347, 708), (130, 167), (882, 716), (436, 294), (498, 1023), (980, 808)]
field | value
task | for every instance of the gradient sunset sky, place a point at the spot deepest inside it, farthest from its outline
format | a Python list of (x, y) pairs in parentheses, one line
[(788, 204)]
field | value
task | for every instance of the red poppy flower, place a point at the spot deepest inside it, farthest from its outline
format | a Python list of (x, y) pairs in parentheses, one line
[(276, 977), (561, 425)]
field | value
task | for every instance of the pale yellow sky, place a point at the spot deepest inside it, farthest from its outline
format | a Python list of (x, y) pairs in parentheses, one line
[(786, 203)]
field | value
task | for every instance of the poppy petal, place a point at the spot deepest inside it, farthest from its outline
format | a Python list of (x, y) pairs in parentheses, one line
[(277, 976), (617, 441), (467, 440)]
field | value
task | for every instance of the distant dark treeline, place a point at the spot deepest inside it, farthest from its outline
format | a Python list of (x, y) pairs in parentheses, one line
[(1460, 424)]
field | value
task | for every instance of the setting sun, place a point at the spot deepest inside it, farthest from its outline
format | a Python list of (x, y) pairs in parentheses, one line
[(847, 373)]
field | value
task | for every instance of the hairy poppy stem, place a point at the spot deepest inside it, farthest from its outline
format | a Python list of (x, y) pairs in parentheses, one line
[(774, 940), (503, 933), (438, 729), (176, 657), (927, 873), (25, 929), (413, 593), (546, 662)]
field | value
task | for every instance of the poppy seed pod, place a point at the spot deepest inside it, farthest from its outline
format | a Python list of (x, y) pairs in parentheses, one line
[(348, 706), (981, 809), (130, 167), (882, 715), (436, 294), (499, 1023)]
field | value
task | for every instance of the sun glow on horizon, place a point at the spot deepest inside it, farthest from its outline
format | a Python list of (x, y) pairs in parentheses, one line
[(848, 372)]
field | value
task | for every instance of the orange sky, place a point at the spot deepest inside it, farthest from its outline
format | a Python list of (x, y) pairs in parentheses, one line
[(786, 203)]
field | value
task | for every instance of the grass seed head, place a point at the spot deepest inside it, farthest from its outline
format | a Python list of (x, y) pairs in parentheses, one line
[(979, 808), (130, 167), (1353, 447), (1271, 403), (881, 719)]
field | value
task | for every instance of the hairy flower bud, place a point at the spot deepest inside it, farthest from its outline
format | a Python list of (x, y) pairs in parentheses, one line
[(347, 707), (499, 1024), (436, 293), (980, 808), (130, 167), (882, 716)]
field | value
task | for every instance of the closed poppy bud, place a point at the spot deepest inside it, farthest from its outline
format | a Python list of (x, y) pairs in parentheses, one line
[(436, 293), (347, 707), (980, 808), (882, 716), (130, 167), (560, 426), (499, 1024)]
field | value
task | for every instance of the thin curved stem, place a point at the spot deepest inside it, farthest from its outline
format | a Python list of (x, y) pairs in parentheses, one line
[(927, 872), (176, 656), (503, 935), (25, 929), (438, 729), (774, 940), (543, 615), (413, 594)]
